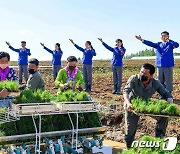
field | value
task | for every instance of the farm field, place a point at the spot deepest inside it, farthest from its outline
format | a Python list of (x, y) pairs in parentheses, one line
[(101, 91)]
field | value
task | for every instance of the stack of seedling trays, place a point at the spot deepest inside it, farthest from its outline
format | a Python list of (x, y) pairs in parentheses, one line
[(41, 114), (155, 107)]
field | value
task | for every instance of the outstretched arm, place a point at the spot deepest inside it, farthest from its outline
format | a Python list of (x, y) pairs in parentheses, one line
[(149, 43), (105, 45), (78, 47), (16, 50), (47, 49)]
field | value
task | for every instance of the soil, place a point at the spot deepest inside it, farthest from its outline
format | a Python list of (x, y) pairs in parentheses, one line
[(102, 92)]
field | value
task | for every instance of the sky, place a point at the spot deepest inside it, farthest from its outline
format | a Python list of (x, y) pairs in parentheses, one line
[(52, 21)]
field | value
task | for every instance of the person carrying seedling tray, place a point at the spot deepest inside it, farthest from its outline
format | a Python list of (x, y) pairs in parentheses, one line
[(143, 86), (70, 77), (22, 60), (6, 74)]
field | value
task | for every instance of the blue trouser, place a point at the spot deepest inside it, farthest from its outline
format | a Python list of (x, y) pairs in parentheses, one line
[(23, 69), (117, 75), (87, 74), (56, 69), (165, 76)]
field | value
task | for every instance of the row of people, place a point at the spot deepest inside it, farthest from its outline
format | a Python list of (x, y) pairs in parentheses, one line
[(164, 60), (35, 81)]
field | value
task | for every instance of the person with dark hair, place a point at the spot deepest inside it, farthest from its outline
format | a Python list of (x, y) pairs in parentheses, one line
[(88, 54), (164, 58), (35, 80), (6, 73), (22, 60), (117, 64), (56, 61), (70, 77), (143, 86)]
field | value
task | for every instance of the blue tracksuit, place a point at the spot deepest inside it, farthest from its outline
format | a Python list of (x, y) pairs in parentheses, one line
[(164, 54), (117, 57), (56, 56), (87, 55), (23, 55)]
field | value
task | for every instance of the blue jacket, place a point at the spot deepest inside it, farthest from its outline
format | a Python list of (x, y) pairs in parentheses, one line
[(56, 56), (117, 56), (164, 52), (87, 55), (23, 55)]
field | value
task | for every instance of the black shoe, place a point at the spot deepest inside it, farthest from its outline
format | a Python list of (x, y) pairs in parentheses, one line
[(88, 88), (115, 89), (114, 92), (118, 91)]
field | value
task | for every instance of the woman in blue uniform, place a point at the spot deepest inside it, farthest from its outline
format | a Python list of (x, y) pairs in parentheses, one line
[(56, 61), (118, 53), (88, 54)]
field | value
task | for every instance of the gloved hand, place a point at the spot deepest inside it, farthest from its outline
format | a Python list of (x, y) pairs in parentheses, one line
[(170, 100)]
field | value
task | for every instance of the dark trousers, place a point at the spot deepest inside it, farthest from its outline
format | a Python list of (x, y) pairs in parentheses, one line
[(131, 122), (87, 74), (117, 75), (56, 69), (165, 76), (23, 69)]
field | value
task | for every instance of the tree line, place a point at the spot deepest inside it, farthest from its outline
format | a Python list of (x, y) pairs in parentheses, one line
[(145, 53)]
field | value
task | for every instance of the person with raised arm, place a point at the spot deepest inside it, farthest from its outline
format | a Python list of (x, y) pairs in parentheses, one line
[(117, 64), (164, 58), (22, 60), (56, 59), (88, 53)]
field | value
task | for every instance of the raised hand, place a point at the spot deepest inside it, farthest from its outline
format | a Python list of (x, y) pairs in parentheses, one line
[(71, 41), (138, 37), (42, 44), (7, 43), (100, 39)]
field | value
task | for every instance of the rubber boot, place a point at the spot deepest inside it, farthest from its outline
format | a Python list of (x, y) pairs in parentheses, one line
[(115, 89), (118, 91), (88, 88), (20, 81)]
